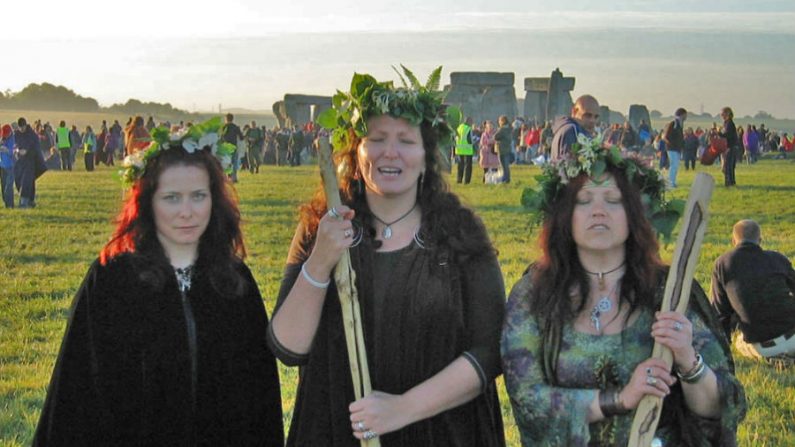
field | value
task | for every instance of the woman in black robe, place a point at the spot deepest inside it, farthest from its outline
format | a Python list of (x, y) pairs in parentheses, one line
[(165, 343), (428, 281)]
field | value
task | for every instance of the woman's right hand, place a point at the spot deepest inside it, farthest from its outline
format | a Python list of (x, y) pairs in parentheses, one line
[(334, 235), (652, 377)]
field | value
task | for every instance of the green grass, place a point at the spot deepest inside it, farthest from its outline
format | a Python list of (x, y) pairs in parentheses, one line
[(46, 251)]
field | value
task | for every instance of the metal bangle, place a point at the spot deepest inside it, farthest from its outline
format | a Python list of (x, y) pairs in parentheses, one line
[(695, 373), (610, 404), (313, 281)]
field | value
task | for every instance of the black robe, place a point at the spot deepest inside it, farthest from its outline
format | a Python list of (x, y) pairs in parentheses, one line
[(424, 324), (123, 374)]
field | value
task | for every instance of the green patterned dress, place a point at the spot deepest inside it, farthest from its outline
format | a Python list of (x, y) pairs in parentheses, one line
[(549, 415)]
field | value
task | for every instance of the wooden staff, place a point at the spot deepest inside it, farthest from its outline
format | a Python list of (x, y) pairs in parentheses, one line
[(676, 297), (345, 279)]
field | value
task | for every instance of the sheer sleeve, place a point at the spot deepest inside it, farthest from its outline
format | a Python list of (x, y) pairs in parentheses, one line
[(298, 254), (485, 293), (545, 415)]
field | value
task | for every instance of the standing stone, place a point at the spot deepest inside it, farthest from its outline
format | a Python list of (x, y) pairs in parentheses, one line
[(483, 95), (297, 109), (548, 98)]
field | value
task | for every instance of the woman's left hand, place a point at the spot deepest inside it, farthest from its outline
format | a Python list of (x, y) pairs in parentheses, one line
[(674, 330), (378, 413)]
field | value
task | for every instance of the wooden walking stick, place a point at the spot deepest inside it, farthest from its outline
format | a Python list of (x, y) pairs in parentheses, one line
[(676, 296), (345, 279)]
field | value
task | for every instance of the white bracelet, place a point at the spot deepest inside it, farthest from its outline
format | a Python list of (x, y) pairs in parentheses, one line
[(313, 281)]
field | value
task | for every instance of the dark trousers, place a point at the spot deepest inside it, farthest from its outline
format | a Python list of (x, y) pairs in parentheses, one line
[(505, 161), (7, 183), (66, 158), (26, 181), (89, 160), (729, 163), (281, 157), (689, 157), (464, 171)]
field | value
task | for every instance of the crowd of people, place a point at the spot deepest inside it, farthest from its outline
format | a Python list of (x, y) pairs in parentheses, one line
[(28, 150), (168, 341), (525, 141)]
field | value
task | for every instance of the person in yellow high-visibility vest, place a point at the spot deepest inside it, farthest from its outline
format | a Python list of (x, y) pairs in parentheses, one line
[(64, 146), (464, 151)]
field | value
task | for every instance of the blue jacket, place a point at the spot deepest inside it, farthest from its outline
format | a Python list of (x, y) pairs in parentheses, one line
[(566, 130), (7, 158)]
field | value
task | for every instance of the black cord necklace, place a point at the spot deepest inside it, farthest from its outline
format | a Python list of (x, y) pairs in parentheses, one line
[(600, 276), (387, 231)]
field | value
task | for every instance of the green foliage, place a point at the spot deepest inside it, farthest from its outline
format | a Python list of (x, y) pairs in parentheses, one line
[(368, 98), (196, 137), (589, 157), (47, 250)]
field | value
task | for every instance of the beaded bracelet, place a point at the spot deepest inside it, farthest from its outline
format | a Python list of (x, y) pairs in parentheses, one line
[(695, 373), (610, 403), (313, 281)]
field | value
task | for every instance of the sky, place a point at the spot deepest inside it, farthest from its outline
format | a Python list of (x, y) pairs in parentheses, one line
[(202, 55)]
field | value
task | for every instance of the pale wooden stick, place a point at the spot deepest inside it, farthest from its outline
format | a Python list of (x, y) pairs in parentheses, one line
[(676, 296), (345, 279)]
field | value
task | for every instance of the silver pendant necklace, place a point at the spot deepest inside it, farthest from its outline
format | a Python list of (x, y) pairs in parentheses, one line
[(386, 233), (603, 306)]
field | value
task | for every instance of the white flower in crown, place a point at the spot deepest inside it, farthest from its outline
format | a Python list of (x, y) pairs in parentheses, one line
[(134, 160), (209, 139), (190, 145)]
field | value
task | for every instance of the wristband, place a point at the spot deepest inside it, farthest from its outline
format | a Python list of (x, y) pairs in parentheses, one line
[(313, 281), (695, 373), (610, 404)]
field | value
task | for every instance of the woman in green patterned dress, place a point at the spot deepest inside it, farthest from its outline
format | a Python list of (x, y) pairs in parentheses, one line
[(581, 323)]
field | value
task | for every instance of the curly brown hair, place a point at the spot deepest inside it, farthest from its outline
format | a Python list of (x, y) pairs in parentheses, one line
[(559, 271), (445, 221)]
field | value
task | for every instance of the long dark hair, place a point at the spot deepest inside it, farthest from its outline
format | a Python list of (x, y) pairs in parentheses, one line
[(558, 272), (445, 221), (221, 247)]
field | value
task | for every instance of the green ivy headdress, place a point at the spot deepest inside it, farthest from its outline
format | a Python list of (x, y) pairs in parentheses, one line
[(588, 156), (367, 98), (190, 139)]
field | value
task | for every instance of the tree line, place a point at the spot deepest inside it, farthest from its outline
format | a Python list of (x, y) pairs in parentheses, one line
[(46, 96)]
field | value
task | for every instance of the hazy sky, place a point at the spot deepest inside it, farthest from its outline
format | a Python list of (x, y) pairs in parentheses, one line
[(248, 53)]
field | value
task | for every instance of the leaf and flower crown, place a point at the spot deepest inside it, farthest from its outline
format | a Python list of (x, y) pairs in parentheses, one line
[(589, 156), (190, 139), (415, 102)]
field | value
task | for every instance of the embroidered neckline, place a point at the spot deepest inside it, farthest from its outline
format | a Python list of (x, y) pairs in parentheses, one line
[(184, 276)]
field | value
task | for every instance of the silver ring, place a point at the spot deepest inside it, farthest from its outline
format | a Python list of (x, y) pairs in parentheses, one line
[(333, 213), (651, 380), (678, 326), (348, 233), (359, 426), (369, 434)]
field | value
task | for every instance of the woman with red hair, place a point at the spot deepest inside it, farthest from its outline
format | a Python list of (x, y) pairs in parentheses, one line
[(165, 343)]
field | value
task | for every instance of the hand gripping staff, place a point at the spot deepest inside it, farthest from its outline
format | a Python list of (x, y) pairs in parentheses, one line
[(345, 279), (676, 296)]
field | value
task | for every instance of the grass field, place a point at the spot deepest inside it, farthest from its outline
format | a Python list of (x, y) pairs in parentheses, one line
[(45, 252)]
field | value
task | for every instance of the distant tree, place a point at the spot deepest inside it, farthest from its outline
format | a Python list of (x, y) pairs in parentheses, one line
[(47, 96), (655, 114), (762, 115), (136, 107)]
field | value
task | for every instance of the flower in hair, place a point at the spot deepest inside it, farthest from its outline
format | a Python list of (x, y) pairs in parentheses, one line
[(589, 156), (202, 136)]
